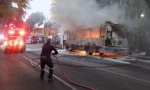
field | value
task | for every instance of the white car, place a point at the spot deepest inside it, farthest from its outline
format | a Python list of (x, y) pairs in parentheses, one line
[(29, 40)]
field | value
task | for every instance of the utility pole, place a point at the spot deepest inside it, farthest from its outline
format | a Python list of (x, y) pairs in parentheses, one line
[(45, 31), (46, 22), (45, 28)]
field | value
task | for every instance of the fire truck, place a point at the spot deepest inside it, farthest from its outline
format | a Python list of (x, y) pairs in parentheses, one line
[(103, 39), (15, 39)]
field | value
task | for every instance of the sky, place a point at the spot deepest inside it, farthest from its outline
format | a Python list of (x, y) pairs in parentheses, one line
[(39, 6)]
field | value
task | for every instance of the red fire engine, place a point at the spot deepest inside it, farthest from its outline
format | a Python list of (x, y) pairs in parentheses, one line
[(16, 39)]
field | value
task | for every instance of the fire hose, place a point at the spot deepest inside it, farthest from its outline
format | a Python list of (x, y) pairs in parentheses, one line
[(59, 64), (89, 88), (34, 65)]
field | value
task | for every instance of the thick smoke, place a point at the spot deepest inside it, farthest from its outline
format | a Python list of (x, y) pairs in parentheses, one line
[(74, 14)]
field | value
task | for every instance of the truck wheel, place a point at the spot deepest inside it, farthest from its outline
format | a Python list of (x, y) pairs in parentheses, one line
[(90, 53), (101, 54)]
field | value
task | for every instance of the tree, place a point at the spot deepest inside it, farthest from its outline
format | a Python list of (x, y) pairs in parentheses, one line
[(8, 12), (35, 20), (148, 2)]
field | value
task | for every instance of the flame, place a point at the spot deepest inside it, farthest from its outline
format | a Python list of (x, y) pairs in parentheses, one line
[(114, 55), (95, 54), (106, 54), (79, 52)]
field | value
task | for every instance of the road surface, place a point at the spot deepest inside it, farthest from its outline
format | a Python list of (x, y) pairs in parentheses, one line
[(17, 73)]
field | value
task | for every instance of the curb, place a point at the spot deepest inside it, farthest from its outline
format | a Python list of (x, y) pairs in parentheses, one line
[(143, 57), (98, 57)]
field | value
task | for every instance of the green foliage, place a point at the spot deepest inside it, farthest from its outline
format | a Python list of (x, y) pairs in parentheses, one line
[(5, 6), (148, 2), (8, 12)]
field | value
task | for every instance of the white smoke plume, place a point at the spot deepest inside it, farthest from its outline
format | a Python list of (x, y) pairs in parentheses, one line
[(74, 14)]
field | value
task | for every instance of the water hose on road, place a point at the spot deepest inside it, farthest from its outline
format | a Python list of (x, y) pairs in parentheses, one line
[(117, 65), (89, 88), (59, 64), (33, 63), (65, 64)]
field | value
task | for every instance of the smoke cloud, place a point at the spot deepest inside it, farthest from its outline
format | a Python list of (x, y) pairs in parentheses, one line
[(74, 14)]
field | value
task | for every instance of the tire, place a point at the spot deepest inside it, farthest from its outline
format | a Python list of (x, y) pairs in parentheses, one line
[(101, 54), (90, 53)]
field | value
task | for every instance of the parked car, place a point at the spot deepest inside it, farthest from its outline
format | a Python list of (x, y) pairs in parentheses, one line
[(29, 39), (34, 39)]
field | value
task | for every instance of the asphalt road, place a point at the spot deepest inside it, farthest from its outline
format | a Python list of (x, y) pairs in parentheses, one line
[(17, 73)]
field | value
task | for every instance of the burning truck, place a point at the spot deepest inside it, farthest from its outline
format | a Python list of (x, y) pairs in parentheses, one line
[(108, 38)]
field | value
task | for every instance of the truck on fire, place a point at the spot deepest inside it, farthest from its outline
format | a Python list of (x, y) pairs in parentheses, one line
[(103, 39), (15, 39)]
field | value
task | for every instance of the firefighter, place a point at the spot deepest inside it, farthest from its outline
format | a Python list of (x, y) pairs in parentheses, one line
[(46, 59)]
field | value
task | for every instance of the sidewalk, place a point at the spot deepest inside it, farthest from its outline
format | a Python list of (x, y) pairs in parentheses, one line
[(128, 59), (144, 57), (120, 58), (141, 56)]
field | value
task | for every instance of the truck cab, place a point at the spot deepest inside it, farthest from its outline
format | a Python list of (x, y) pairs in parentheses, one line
[(16, 40), (14, 44)]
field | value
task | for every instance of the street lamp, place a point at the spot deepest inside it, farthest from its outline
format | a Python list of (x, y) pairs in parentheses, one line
[(142, 15), (14, 5)]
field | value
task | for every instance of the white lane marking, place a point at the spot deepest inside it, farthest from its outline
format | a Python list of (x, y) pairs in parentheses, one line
[(39, 49), (114, 60), (67, 84), (111, 71), (33, 49)]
